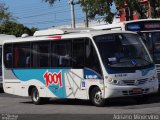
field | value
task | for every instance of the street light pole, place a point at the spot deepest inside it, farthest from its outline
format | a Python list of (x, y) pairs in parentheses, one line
[(86, 15), (72, 13), (86, 18)]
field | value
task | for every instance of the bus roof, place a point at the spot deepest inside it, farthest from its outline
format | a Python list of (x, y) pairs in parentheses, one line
[(66, 35), (4, 37), (114, 26)]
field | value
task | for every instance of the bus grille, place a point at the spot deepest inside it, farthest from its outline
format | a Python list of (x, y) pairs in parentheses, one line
[(135, 82), (130, 92)]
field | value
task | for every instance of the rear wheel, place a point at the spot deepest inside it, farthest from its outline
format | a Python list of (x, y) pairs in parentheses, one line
[(35, 97), (96, 97)]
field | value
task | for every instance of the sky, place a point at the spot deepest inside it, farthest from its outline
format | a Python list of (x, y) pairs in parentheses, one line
[(37, 13)]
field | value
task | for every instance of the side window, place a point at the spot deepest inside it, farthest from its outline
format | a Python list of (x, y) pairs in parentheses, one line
[(8, 55), (84, 55), (40, 54), (91, 60), (78, 53), (61, 54), (0, 56), (21, 53)]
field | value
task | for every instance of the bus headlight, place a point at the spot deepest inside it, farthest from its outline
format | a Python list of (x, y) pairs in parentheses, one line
[(151, 78), (111, 81)]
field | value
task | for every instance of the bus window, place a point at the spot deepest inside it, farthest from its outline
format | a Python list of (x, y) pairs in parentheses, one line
[(61, 54), (147, 39), (91, 60), (84, 55), (134, 54), (21, 53), (152, 41), (40, 54), (0, 60), (78, 53), (156, 42), (8, 55)]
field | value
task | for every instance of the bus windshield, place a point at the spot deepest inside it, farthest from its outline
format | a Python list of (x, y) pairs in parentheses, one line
[(122, 50), (152, 41)]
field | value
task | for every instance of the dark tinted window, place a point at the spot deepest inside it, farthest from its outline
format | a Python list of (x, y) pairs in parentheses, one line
[(91, 60), (40, 54), (61, 53), (79, 53), (84, 55), (122, 50), (21, 53), (8, 55), (0, 56), (76, 53)]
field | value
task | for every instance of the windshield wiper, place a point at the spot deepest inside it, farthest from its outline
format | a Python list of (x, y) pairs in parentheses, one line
[(144, 59)]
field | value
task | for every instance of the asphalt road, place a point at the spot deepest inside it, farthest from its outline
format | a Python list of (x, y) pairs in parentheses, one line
[(11, 106)]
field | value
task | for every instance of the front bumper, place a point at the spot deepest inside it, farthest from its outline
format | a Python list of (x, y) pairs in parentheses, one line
[(111, 92)]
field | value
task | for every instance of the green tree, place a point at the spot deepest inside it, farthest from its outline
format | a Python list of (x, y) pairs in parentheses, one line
[(155, 8), (94, 8), (98, 8), (103, 8), (13, 28), (4, 13)]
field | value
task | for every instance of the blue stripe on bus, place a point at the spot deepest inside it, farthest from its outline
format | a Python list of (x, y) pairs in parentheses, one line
[(38, 74), (146, 71), (91, 74)]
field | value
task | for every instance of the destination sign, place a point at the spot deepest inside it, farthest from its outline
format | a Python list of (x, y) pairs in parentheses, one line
[(143, 26)]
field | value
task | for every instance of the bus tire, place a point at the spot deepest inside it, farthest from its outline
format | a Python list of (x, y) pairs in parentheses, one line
[(35, 97), (96, 97)]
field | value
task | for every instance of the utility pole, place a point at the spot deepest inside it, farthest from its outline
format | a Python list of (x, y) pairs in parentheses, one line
[(86, 16), (72, 13)]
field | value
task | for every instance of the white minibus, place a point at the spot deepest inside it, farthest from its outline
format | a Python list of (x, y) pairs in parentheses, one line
[(83, 64)]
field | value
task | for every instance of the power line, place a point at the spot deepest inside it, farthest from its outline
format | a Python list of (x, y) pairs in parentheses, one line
[(57, 21), (58, 9), (44, 14)]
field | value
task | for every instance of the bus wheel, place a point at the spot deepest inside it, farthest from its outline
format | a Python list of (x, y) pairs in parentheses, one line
[(96, 97), (35, 97)]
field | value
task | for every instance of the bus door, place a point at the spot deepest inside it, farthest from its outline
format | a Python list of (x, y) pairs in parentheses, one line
[(86, 67)]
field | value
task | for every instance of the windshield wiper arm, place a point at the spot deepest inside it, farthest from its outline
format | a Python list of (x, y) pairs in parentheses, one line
[(144, 59)]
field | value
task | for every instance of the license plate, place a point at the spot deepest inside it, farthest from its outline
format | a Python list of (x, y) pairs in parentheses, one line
[(137, 90)]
